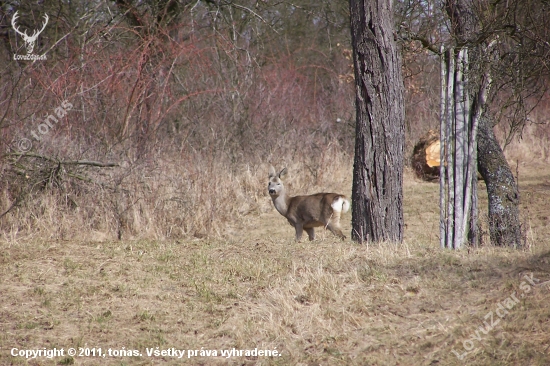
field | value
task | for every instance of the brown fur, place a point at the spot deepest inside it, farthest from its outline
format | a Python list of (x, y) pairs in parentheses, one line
[(307, 212)]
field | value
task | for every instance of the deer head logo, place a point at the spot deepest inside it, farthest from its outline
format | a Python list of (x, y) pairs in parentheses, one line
[(29, 40)]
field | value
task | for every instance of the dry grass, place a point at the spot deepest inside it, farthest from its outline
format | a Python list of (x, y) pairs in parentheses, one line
[(162, 196), (326, 302), (180, 247)]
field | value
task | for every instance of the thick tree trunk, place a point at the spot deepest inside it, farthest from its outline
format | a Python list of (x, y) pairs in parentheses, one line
[(377, 210), (502, 190)]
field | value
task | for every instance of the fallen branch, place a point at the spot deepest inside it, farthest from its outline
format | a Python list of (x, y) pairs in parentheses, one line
[(60, 162), (89, 162)]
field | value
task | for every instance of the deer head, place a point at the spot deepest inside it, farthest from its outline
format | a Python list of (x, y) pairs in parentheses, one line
[(29, 40)]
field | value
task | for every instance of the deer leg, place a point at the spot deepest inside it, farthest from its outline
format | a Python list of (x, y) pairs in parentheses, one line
[(299, 230), (335, 229), (311, 233)]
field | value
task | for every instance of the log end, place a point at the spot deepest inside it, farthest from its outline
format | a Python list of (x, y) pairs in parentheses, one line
[(425, 159)]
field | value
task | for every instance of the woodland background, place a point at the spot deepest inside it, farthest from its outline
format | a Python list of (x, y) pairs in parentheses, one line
[(141, 218), (192, 101)]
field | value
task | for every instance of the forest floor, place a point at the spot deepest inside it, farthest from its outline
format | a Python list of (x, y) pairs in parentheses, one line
[(257, 293)]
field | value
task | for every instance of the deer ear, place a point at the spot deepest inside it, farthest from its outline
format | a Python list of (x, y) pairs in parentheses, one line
[(282, 173), (272, 172)]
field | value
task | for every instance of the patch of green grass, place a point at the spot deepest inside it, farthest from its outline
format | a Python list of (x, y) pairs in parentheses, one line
[(369, 274), (66, 361), (29, 325), (70, 266), (146, 316), (39, 290), (104, 317)]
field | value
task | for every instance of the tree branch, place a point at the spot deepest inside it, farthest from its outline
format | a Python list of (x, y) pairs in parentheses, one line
[(71, 162), (426, 43)]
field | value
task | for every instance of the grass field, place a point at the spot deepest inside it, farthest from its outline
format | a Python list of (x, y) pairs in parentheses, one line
[(322, 303)]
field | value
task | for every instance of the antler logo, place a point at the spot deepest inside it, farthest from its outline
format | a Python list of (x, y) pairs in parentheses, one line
[(29, 40)]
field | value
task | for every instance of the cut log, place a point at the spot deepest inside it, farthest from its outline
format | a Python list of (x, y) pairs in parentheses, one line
[(425, 157), (432, 154)]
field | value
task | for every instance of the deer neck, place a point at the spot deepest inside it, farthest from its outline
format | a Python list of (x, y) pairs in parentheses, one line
[(281, 203)]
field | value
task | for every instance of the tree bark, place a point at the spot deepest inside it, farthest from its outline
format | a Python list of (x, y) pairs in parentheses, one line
[(377, 195), (502, 190)]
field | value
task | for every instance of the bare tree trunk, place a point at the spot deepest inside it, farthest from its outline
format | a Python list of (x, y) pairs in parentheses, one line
[(458, 132), (460, 137), (502, 189), (503, 196), (449, 147), (443, 143), (377, 210)]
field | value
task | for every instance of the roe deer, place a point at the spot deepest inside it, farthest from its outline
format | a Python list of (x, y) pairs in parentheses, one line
[(307, 212)]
